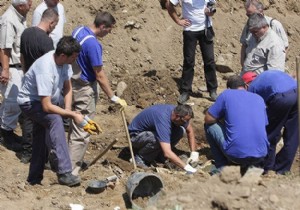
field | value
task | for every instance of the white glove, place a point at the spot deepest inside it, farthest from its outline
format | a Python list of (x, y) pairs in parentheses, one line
[(118, 100), (189, 169), (194, 158)]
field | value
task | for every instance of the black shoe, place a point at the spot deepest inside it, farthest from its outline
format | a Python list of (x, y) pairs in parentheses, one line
[(182, 99), (68, 179), (213, 95), (25, 156), (11, 140)]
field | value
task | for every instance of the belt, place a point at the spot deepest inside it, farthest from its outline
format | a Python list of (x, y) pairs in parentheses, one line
[(18, 65), (15, 65)]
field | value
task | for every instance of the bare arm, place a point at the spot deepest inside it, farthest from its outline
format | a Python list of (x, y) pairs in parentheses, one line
[(5, 55), (191, 137), (209, 119), (103, 81), (168, 153), (53, 109), (68, 94), (174, 16)]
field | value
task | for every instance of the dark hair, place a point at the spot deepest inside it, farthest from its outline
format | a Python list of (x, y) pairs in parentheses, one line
[(67, 45), (49, 14), (183, 110), (104, 18), (235, 82)]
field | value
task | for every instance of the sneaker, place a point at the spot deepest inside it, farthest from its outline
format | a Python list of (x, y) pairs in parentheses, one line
[(182, 99), (140, 162), (68, 179), (213, 95)]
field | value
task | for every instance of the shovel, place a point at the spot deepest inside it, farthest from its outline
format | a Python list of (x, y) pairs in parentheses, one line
[(128, 137)]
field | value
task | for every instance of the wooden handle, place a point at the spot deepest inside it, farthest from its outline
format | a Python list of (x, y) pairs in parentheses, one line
[(128, 137)]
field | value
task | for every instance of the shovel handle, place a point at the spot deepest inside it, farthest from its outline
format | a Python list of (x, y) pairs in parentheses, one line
[(128, 137), (102, 153)]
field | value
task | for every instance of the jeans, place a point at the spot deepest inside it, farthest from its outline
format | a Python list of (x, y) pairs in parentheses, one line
[(190, 40), (215, 135), (48, 135)]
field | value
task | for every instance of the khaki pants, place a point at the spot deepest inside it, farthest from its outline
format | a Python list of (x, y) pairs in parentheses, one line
[(85, 96)]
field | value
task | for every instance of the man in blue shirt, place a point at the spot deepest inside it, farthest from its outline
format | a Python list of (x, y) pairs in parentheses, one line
[(88, 71), (279, 91), (157, 129), (242, 137)]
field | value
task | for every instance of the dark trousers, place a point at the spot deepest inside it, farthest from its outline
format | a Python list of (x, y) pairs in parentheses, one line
[(282, 112), (190, 40), (48, 135), (147, 146), (27, 127)]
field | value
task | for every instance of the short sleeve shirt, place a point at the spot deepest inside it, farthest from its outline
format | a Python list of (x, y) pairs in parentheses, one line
[(90, 55), (269, 83), (31, 47), (44, 78), (12, 25), (194, 11), (156, 119), (245, 119)]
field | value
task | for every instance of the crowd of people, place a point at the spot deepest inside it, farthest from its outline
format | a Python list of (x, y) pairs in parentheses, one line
[(42, 84)]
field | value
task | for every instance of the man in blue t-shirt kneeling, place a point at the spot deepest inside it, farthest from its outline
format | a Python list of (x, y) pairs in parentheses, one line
[(235, 127), (157, 129)]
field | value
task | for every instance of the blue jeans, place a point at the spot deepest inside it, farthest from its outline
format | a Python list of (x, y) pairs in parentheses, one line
[(48, 135), (215, 135)]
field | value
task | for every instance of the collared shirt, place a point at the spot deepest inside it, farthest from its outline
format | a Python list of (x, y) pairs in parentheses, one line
[(12, 25), (194, 12), (274, 24), (265, 54)]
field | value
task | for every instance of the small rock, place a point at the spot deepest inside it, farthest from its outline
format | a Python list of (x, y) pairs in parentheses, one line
[(121, 87), (273, 198), (185, 199)]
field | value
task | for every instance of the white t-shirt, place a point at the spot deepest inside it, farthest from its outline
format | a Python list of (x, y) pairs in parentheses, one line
[(58, 32), (193, 10), (44, 78)]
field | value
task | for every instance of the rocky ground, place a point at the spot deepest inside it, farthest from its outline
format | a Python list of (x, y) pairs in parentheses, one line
[(144, 54)]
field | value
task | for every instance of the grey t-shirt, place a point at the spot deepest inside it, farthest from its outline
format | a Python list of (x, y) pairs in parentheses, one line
[(44, 78)]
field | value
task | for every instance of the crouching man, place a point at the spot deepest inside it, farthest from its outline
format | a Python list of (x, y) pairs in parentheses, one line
[(235, 127), (157, 129), (47, 78)]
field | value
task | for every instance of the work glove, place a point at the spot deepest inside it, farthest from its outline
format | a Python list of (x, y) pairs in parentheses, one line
[(94, 126), (118, 100), (90, 127), (193, 159), (189, 169)]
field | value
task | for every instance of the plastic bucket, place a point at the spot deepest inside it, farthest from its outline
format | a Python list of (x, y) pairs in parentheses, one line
[(143, 189)]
